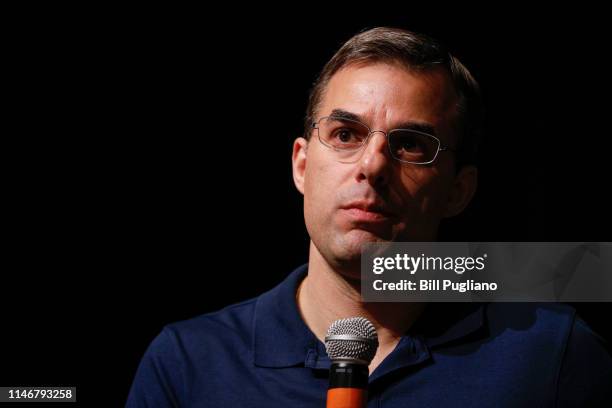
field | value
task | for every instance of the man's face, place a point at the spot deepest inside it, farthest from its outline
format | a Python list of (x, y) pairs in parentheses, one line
[(373, 197)]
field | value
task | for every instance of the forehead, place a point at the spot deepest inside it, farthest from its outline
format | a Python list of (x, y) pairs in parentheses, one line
[(386, 94)]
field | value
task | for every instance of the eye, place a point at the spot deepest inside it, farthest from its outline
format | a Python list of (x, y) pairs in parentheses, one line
[(412, 146), (409, 145), (344, 135)]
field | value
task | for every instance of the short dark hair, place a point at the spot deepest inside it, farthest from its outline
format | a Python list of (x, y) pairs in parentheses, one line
[(416, 52)]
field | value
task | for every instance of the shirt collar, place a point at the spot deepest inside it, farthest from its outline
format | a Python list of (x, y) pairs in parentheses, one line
[(440, 324), (280, 336), (444, 323), (282, 339)]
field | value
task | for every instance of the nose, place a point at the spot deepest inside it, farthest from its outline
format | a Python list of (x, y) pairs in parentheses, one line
[(376, 162)]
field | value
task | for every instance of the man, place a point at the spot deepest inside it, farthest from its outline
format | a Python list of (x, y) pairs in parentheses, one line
[(391, 132)]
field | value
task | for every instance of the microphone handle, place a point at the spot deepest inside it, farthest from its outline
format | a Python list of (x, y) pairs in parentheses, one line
[(348, 385)]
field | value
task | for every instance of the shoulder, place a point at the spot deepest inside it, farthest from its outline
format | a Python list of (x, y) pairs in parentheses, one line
[(228, 327), (585, 375), (553, 339), (179, 354), (548, 326), (543, 320), (554, 319)]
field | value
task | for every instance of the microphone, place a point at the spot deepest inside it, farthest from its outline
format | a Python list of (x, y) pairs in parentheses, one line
[(351, 345)]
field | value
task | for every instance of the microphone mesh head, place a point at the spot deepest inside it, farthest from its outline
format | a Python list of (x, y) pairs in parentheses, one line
[(354, 338)]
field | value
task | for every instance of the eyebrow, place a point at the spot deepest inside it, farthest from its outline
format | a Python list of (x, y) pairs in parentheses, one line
[(412, 125)]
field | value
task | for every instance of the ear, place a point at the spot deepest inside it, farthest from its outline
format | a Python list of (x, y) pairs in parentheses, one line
[(462, 190), (300, 146)]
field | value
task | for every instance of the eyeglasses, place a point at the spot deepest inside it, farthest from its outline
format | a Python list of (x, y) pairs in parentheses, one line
[(347, 136)]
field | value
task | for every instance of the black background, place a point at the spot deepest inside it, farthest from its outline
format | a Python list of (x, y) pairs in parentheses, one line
[(147, 163)]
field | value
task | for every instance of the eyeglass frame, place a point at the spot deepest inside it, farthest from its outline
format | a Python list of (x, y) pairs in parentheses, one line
[(441, 148)]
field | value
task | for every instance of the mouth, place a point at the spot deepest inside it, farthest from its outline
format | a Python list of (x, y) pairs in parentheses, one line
[(366, 211)]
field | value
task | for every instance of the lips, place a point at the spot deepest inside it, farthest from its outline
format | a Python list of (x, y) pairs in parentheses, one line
[(367, 211)]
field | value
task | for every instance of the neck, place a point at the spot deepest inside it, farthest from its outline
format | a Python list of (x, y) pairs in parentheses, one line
[(326, 295)]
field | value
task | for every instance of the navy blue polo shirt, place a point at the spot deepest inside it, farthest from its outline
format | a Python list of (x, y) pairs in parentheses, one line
[(260, 353)]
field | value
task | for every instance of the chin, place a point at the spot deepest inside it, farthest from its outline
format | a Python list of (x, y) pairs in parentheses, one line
[(349, 245)]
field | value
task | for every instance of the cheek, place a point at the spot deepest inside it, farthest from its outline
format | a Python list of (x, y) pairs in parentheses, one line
[(318, 188), (424, 189)]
